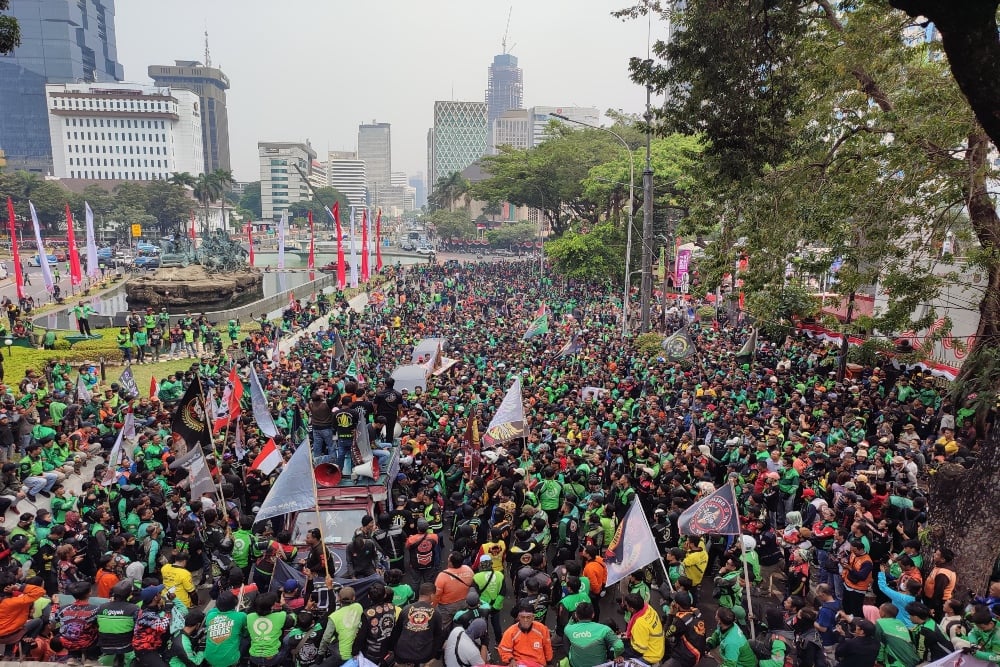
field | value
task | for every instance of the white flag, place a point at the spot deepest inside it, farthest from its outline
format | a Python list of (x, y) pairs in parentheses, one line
[(238, 447), (633, 546), (43, 257), (82, 393), (281, 239), (128, 427), (114, 460), (93, 264), (290, 492), (261, 413), (354, 254), (508, 422), (201, 481)]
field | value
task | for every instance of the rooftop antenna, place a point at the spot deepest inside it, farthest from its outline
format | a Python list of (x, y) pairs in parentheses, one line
[(503, 41), (208, 55)]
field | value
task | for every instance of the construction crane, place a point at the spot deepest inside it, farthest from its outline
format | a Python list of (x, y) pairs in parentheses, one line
[(503, 42)]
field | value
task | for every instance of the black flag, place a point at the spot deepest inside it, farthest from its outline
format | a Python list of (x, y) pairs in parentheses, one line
[(127, 382), (680, 346), (189, 417)]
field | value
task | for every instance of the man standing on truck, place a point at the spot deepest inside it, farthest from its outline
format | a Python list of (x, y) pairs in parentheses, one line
[(345, 420), (320, 410), (387, 404)]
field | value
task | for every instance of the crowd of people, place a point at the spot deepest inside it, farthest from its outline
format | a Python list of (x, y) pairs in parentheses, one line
[(496, 558)]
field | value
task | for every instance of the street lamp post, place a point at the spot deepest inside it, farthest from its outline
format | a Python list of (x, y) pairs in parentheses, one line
[(631, 206)]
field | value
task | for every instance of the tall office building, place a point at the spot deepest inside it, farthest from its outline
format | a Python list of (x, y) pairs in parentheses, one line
[(542, 116), (505, 89), (346, 173), (419, 190), (62, 41), (281, 183), (210, 84), (458, 138), (512, 128), (375, 149), (123, 131)]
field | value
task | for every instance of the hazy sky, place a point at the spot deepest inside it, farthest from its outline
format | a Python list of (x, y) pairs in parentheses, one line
[(315, 69)]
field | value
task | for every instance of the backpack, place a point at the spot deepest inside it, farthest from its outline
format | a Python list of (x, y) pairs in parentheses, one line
[(761, 648), (423, 553)]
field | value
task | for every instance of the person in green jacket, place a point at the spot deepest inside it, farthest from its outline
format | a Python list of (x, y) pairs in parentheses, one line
[(343, 625), (124, 342), (183, 649), (984, 636), (590, 643), (225, 630), (734, 649), (267, 627), (896, 648), (140, 340)]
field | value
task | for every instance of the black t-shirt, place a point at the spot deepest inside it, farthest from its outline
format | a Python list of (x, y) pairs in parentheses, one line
[(345, 420), (387, 402)]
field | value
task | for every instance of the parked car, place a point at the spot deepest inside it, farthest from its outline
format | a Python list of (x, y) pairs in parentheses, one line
[(425, 250), (147, 262), (35, 261)]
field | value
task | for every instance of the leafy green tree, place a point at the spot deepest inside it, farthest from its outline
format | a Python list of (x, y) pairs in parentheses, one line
[(207, 189), (325, 196), (250, 200), (10, 31), (492, 209), (451, 225), (183, 178), (224, 179), (449, 190), (597, 255), (516, 233), (831, 131), (101, 201), (170, 205), (131, 194)]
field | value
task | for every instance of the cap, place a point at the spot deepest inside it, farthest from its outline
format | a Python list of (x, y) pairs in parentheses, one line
[(291, 586), (485, 558), (472, 598), (149, 592), (808, 493), (683, 599)]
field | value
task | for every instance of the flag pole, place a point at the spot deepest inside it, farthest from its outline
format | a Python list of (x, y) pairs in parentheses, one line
[(746, 570), (319, 517), (210, 425)]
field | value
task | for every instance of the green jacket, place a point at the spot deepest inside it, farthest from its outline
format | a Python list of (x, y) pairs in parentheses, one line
[(734, 649), (989, 643)]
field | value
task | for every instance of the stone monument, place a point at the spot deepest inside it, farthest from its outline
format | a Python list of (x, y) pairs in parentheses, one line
[(216, 276)]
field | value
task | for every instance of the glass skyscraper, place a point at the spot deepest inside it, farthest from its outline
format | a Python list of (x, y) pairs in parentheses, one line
[(504, 89), (62, 41)]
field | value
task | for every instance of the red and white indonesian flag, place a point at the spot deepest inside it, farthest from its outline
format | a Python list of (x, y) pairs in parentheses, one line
[(268, 459)]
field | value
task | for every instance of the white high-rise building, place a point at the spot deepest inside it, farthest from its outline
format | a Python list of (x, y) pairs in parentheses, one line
[(281, 181), (346, 173), (375, 148), (541, 116), (122, 131), (459, 137), (512, 128)]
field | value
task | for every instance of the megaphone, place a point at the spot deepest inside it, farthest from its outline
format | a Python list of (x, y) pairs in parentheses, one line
[(397, 431), (369, 469), (328, 474)]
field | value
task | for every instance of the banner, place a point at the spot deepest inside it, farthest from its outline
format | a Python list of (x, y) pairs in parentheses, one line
[(43, 257), (230, 408), (190, 419), (475, 446), (75, 274), (127, 382), (239, 448), (193, 234), (683, 262), (354, 254), (261, 411), (378, 241), (364, 244), (341, 270), (281, 239), (93, 263), (82, 393), (959, 659), (290, 492), (712, 515), (115, 460), (591, 393), (250, 239), (508, 422), (633, 546), (572, 346), (15, 256), (311, 262), (679, 346), (199, 477)]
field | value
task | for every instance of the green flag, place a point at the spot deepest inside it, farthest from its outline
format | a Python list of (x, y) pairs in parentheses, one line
[(538, 326)]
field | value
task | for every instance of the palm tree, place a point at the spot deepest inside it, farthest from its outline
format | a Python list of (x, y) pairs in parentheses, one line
[(206, 190), (225, 179), (183, 178), (449, 189)]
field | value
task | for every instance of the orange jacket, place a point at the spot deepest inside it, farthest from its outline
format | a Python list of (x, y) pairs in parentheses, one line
[(14, 610), (597, 574), (533, 646)]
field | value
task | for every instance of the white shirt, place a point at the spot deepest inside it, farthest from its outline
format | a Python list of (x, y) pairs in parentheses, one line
[(460, 650)]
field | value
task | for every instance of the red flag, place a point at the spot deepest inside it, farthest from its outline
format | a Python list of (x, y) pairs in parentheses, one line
[(312, 243), (341, 270), (378, 241), (364, 244), (194, 241), (15, 256), (250, 238), (75, 274), (268, 459), (154, 387), (232, 397)]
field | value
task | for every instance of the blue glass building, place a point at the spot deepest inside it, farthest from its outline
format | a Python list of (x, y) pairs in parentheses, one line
[(62, 41)]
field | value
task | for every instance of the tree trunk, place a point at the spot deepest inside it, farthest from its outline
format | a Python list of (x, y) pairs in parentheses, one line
[(969, 36)]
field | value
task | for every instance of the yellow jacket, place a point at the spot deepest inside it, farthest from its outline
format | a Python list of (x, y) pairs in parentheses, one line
[(695, 563), (645, 634)]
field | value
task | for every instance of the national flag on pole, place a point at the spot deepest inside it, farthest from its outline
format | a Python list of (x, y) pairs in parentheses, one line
[(354, 254), (261, 411), (538, 326), (127, 382), (15, 256), (190, 420), (250, 239), (82, 393), (633, 546), (230, 408), (311, 262), (341, 269), (716, 514), (43, 256), (93, 263), (680, 345), (749, 348), (75, 274), (508, 422), (378, 240), (364, 244), (268, 459), (290, 492), (281, 239), (154, 387), (572, 346)]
